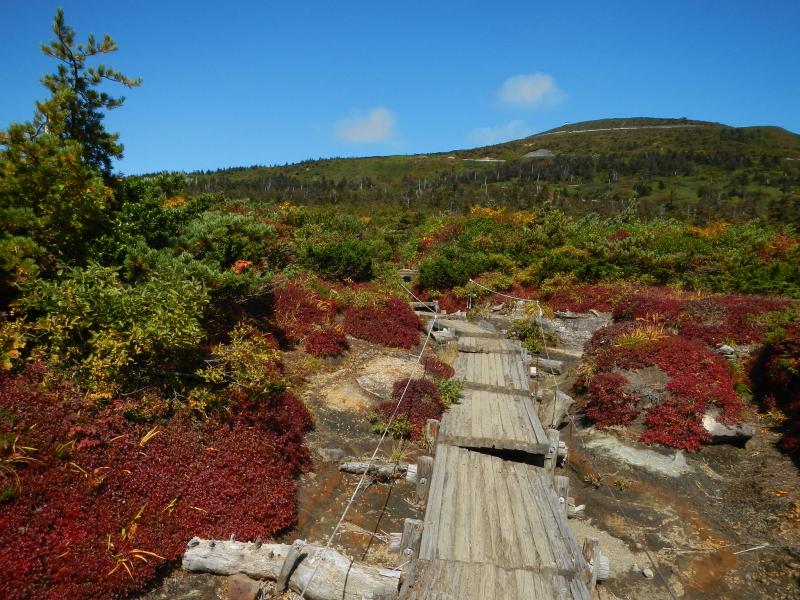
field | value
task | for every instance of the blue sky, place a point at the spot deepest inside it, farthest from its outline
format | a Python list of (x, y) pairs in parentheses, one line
[(241, 83)]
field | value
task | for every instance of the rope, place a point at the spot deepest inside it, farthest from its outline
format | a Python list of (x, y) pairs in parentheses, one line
[(539, 314), (321, 553), (503, 295)]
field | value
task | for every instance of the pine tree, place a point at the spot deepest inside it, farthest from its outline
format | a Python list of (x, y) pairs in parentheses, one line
[(74, 88), (55, 171)]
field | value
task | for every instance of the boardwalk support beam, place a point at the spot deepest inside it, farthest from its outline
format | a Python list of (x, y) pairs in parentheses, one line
[(412, 537), (432, 431), (409, 544), (551, 458), (424, 472), (591, 556), (562, 491)]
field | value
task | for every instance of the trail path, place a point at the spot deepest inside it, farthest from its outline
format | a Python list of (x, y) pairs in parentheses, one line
[(494, 526)]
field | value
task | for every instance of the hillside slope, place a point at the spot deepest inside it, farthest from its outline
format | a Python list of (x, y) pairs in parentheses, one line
[(694, 170)]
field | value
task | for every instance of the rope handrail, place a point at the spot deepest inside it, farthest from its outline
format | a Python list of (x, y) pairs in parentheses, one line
[(320, 554)]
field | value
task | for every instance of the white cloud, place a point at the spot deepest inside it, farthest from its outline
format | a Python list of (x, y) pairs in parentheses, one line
[(371, 127), (533, 90), (512, 130)]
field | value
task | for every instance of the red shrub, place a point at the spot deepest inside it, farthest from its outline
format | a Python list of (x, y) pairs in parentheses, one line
[(698, 379), (713, 319), (422, 401), (582, 298), (520, 291), (450, 304), (299, 309), (326, 342), (674, 423), (390, 324), (661, 304), (437, 368), (444, 233), (99, 496), (718, 319), (608, 403)]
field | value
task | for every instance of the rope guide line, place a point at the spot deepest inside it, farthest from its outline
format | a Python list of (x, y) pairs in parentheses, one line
[(320, 554)]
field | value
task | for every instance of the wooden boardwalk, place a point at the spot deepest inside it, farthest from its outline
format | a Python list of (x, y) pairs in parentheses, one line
[(494, 527)]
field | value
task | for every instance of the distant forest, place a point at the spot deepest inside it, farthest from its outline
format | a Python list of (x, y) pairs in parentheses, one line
[(697, 186)]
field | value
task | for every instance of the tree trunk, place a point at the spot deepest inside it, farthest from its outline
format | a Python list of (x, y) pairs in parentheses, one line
[(337, 577), (378, 470)]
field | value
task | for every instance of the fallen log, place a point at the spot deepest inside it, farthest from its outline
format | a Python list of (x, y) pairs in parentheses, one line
[(337, 577), (555, 367), (378, 470)]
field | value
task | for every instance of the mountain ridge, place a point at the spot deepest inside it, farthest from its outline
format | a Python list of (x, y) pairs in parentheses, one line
[(670, 166)]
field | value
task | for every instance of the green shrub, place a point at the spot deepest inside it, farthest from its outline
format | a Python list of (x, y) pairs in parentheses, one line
[(340, 260), (528, 332), (222, 239), (450, 390), (113, 334), (400, 427)]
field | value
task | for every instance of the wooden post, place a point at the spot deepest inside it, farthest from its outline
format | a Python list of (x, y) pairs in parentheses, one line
[(591, 556), (562, 453), (288, 565), (409, 546), (562, 491), (411, 539), (411, 575), (603, 568), (551, 457), (411, 473), (424, 472), (432, 431)]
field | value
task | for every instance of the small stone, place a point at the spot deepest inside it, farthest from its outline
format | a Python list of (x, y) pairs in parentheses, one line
[(241, 587), (331, 454), (638, 546), (636, 568), (726, 350), (648, 572), (721, 433)]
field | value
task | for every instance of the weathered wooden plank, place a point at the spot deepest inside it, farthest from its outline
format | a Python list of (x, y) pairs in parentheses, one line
[(493, 527), (481, 539), (449, 505), (542, 493), (461, 516), (508, 527), (488, 589), (551, 509), (470, 581), (528, 553), (485, 387), (539, 527), (433, 510)]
